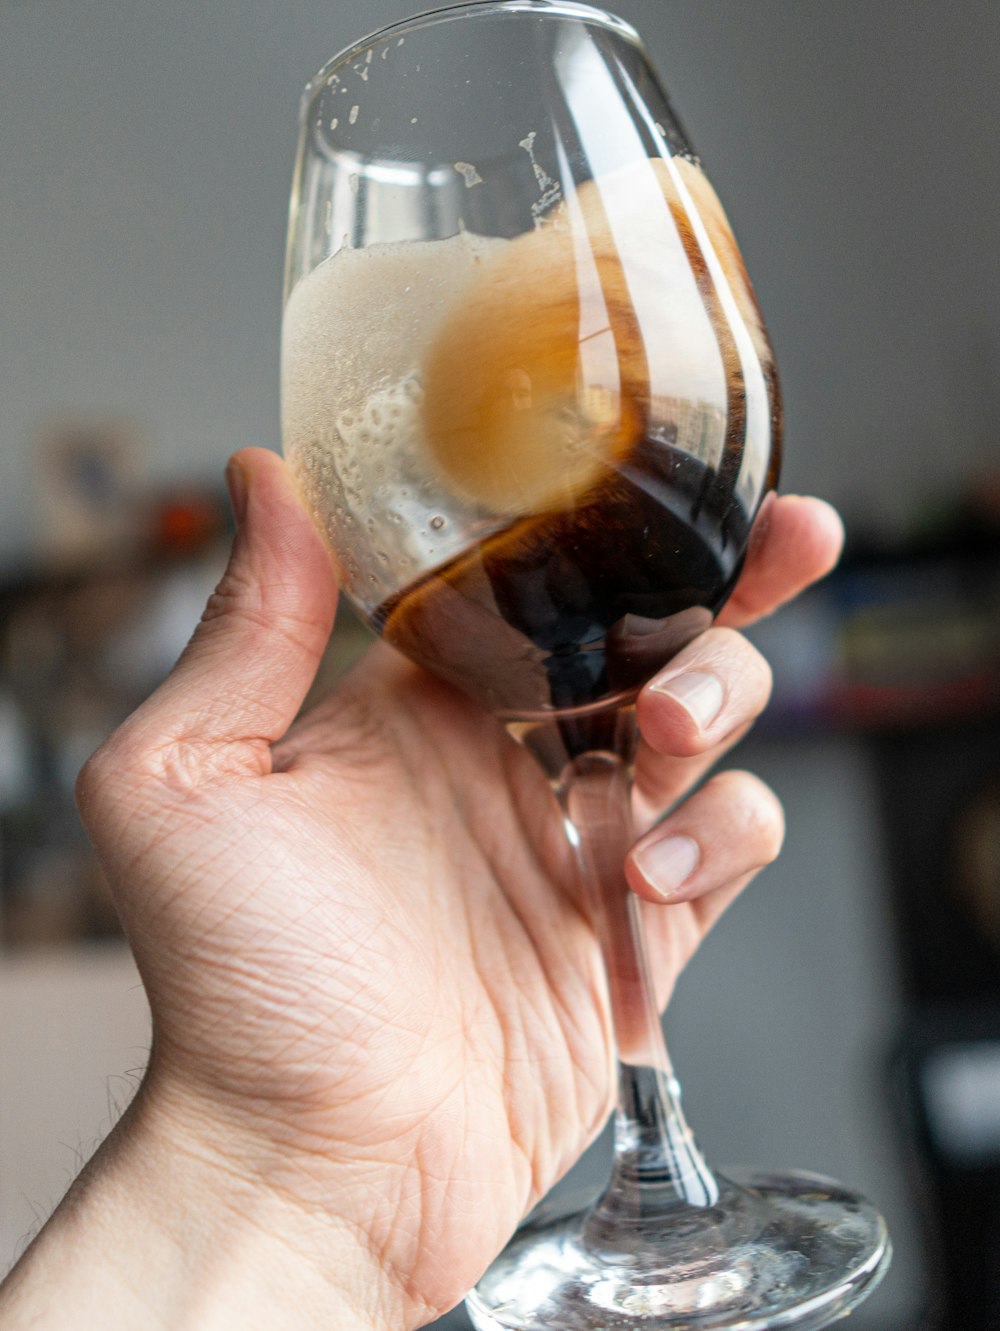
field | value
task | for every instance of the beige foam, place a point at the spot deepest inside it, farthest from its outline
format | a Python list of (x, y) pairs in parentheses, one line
[(549, 369)]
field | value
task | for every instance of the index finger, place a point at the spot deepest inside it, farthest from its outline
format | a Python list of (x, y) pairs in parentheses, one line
[(795, 542)]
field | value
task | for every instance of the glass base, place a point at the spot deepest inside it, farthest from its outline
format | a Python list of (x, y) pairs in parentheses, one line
[(788, 1250)]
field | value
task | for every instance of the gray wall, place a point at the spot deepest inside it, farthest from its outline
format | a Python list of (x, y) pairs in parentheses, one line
[(145, 156)]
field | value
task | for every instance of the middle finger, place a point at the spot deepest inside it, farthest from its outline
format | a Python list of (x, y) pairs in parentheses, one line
[(692, 712)]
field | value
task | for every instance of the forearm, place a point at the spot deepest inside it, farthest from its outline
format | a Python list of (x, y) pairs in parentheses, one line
[(153, 1236)]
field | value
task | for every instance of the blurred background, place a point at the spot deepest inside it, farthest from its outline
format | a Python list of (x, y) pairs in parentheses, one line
[(845, 1018)]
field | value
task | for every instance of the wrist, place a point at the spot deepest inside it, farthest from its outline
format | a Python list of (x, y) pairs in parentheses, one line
[(164, 1229), (252, 1247)]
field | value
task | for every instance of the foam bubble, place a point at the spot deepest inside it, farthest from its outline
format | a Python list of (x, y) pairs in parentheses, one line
[(356, 332)]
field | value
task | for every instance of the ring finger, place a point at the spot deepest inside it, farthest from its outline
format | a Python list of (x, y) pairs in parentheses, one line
[(729, 828)]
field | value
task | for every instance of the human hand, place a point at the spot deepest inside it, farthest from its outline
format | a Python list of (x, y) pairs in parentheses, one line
[(379, 1025)]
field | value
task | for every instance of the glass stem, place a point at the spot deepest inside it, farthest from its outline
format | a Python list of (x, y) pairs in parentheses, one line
[(657, 1163)]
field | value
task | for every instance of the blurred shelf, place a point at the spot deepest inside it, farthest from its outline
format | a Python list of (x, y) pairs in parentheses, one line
[(888, 645)]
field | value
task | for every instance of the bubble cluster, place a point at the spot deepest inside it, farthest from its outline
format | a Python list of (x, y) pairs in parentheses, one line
[(355, 336)]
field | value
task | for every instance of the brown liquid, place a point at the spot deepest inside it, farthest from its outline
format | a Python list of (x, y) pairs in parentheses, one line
[(583, 399), (574, 609)]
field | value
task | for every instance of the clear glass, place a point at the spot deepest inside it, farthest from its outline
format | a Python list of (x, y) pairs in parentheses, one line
[(528, 393)]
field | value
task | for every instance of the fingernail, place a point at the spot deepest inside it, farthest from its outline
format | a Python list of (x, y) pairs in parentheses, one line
[(700, 694), (236, 483), (669, 863)]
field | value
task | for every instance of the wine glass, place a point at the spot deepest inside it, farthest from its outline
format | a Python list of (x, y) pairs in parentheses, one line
[(528, 394)]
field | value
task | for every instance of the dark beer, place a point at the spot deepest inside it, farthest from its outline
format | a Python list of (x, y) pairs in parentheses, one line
[(570, 610), (540, 463)]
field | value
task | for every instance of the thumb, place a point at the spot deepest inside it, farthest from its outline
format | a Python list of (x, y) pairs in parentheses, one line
[(243, 677)]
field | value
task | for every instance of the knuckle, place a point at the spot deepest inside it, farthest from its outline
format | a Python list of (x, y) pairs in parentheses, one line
[(265, 607), (747, 663), (725, 639), (738, 661), (188, 764), (771, 829), (760, 667), (104, 774), (755, 810), (235, 592), (729, 646), (765, 817), (727, 787), (88, 783)]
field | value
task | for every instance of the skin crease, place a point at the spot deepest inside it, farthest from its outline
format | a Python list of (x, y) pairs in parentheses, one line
[(374, 994)]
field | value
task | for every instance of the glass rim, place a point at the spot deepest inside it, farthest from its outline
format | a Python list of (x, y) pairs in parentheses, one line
[(572, 9)]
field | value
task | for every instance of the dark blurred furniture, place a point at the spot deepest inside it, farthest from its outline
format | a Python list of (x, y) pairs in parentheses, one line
[(902, 649), (82, 641), (81, 645), (941, 803), (949, 1073)]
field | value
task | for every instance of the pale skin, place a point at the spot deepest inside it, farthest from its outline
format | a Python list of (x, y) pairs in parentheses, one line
[(380, 1032)]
